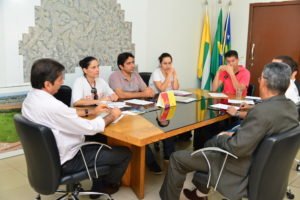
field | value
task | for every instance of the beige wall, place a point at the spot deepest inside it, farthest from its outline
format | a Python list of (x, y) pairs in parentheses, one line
[(173, 26)]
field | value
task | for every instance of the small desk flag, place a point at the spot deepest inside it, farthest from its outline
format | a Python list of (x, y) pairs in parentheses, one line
[(166, 99)]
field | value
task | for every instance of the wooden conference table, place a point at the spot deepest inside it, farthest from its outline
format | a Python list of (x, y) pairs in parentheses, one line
[(138, 131)]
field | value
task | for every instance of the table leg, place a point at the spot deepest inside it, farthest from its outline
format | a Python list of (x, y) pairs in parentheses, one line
[(135, 173)]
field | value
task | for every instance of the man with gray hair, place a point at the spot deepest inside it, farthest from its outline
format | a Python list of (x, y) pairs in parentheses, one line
[(273, 83)]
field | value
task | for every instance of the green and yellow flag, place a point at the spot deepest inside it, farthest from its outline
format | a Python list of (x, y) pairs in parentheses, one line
[(217, 50), (204, 56)]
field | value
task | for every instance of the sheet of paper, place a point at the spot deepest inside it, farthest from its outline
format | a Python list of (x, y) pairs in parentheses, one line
[(127, 112), (133, 112), (237, 101), (117, 105), (253, 98), (181, 93), (218, 95), (184, 99), (139, 102), (222, 106), (118, 119)]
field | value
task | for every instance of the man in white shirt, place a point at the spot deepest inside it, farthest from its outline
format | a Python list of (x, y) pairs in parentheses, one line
[(292, 91), (69, 128)]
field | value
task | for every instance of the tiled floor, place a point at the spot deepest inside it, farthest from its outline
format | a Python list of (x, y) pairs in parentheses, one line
[(14, 184)]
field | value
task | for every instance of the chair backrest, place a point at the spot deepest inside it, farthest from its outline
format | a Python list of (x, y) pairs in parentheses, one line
[(269, 173), (250, 89), (146, 77), (41, 154), (64, 94)]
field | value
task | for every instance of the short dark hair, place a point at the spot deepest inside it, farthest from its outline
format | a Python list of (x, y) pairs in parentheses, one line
[(277, 77), (122, 57), (45, 69), (289, 61), (84, 63), (231, 53), (164, 55)]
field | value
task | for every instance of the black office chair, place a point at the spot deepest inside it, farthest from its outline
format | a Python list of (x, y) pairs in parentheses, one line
[(64, 94), (250, 89), (43, 162), (272, 162), (146, 77)]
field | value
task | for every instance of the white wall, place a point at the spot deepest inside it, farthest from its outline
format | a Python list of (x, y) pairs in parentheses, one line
[(17, 16), (158, 26), (2, 69)]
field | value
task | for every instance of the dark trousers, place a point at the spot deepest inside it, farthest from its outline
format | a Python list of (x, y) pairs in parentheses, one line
[(168, 148), (117, 158), (96, 138)]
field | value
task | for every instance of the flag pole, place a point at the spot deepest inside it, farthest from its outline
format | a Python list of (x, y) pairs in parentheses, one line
[(226, 26)]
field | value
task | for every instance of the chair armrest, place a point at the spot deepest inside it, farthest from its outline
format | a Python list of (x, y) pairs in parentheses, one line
[(101, 145), (214, 149), (90, 143)]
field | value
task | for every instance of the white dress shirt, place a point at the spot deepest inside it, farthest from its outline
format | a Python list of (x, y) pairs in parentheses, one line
[(82, 89), (68, 128), (292, 92)]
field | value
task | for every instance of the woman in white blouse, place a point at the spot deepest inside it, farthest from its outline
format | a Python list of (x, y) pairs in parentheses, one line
[(90, 89), (164, 78)]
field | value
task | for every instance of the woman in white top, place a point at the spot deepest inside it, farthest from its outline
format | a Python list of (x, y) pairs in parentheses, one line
[(164, 78), (90, 89)]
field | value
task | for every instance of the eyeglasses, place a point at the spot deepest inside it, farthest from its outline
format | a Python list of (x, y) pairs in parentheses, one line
[(94, 91), (259, 78)]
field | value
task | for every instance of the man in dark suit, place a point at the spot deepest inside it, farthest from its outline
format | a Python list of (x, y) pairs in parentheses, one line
[(260, 121)]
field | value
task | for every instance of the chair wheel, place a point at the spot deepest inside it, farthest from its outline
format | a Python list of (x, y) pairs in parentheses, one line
[(298, 167), (290, 195), (38, 197)]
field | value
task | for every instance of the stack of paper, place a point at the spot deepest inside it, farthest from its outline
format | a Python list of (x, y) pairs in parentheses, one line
[(117, 105), (184, 99), (217, 95), (181, 93), (139, 102), (237, 101), (221, 106), (133, 112), (253, 98)]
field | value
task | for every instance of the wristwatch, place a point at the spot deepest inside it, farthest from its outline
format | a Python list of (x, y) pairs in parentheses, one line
[(86, 111)]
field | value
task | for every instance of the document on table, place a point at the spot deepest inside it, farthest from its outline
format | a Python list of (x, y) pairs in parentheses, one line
[(221, 106), (139, 102), (184, 99), (181, 93), (218, 95), (253, 98), (237, 101), (118, 119), (133, 112), (117, 105)]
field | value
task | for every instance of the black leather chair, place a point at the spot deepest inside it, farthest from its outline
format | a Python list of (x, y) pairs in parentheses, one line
[(64, 94), (250, 89), (43, 162), (146, 77), (269, 173)]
